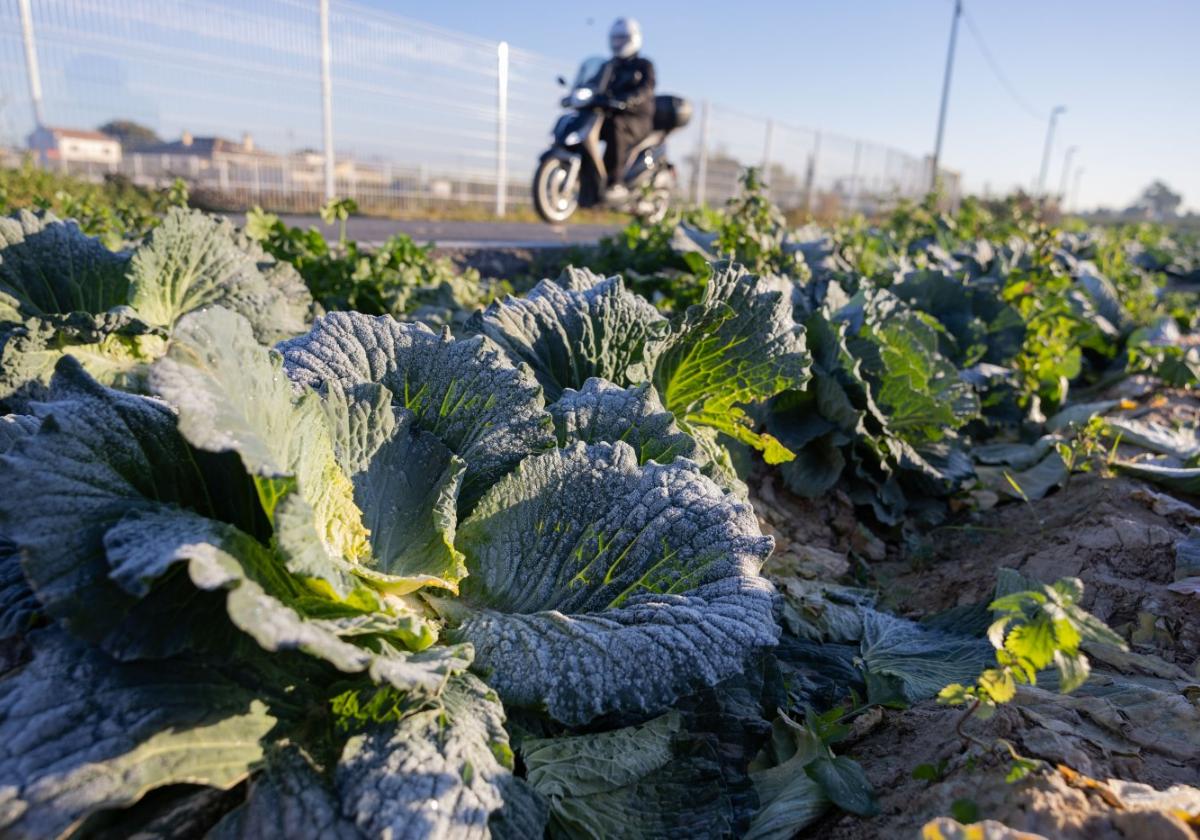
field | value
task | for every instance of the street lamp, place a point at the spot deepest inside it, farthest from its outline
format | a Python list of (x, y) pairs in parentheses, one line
[(1041, 182), (1075, 188), (1062, 187)]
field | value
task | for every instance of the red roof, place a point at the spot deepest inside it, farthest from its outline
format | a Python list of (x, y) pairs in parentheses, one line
[(79, 134)]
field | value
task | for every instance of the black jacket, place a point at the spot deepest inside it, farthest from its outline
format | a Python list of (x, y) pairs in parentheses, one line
[(632, 82)]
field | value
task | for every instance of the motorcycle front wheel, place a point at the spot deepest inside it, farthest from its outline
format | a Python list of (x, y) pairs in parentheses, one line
[(551, 199), (656, 201)]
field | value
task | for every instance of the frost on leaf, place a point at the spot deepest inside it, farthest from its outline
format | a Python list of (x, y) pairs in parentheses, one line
[(601, 412), (232, 395), (597, 585), (487, 412), (80, 733), (50, 267), (288, 798), (97, 456), (406, 482), (570, 330), (193, 260), (64, 293), (439, 772)]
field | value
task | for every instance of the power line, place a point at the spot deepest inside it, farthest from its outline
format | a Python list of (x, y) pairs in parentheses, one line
[(1022, 102)]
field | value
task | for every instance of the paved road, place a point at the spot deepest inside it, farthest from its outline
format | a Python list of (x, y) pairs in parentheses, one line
[(463, 234)]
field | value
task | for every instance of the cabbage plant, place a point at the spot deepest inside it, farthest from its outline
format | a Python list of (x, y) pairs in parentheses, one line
[(738, 346), (65, 293), (346, 579), (883, 411)]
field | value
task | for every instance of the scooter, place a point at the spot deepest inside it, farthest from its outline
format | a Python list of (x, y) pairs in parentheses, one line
[(571, 173)]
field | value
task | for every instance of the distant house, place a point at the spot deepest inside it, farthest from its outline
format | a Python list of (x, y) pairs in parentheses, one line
[(210, 149), (68, 146)]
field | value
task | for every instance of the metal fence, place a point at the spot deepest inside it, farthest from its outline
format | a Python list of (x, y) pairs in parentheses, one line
[(420, 116)]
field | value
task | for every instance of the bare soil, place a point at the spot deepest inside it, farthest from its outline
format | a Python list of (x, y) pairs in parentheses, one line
[(1111, 749), (1116, 535)]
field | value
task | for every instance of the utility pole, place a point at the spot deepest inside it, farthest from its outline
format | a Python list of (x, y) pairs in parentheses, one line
[(1075, 187), (31, 64), (327, 101), (941, 128), (1062, 186), (1041, 181)]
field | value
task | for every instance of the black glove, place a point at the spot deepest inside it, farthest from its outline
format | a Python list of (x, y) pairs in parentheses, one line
[(603, 100)]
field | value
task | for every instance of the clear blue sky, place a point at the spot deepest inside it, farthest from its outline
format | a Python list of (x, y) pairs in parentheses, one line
[(1128, 72)]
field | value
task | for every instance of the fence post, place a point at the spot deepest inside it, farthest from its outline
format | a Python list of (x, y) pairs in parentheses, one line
[(810, 174), (854, 190), (327, 100), (702, 158), (501, 126), (31, 64), (768, 142)]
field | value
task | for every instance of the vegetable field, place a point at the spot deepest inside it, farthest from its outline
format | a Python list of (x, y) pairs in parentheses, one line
[(732, 528)]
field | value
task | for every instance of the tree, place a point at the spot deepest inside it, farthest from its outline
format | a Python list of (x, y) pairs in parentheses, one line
[(1160, 201), (131, 135)]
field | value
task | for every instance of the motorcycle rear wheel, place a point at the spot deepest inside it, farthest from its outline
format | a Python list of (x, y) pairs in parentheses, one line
[(550, 200)]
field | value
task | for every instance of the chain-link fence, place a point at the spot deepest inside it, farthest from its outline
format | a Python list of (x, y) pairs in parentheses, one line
[(420, 116)]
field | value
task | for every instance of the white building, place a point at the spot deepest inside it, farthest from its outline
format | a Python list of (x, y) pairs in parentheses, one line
[(67, 146)]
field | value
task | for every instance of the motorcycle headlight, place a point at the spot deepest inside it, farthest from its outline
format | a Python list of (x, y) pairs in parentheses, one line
[(573, 139), (581, 96)]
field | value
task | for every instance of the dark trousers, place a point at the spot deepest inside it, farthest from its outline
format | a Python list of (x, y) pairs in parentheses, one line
[(620, 133)]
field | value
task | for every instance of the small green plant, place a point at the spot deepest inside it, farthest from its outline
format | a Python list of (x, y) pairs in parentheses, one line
[(966, 811), (1088, 449), (398, 278), (752, 231), (930, 772), (1034, 630), (115, 210), (339, 210)]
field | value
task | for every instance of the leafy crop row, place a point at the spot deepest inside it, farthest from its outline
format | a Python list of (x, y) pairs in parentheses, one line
[(503, 577)]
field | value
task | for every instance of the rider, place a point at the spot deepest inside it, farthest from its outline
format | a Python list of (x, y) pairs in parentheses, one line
[(630, 101)]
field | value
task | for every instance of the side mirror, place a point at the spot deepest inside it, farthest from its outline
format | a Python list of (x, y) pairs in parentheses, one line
[(561, 81)]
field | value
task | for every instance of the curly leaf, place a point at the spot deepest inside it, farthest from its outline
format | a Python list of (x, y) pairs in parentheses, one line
[(738, 346), (602, 412), (114, 347), (289, 798), (50, 267), (918, 388), (904, 661), (466, 393), (600, 586), (628, 783), (570, 330), (80, 733), (262, 602), (98, 455), (439, 772), (232, 395), (406, 483), (193, 260)]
